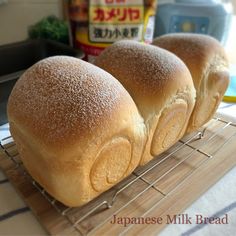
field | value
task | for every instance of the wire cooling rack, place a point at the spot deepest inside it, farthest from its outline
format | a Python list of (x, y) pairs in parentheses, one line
[(157, 180)]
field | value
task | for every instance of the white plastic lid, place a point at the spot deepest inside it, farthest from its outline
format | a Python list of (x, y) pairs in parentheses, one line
[(197, 1)]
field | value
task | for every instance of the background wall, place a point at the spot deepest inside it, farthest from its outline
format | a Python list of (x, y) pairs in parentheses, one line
[(234, 3), (17, 15)]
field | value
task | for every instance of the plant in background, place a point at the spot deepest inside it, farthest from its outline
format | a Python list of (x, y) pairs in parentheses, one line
[(50, 28)]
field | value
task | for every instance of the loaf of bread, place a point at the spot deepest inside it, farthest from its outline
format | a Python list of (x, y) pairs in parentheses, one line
[(207, 62), (160, 85), (76, 128)]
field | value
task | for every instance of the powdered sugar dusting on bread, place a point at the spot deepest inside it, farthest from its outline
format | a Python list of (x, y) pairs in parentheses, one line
[(195, 50), (147, 66), (188, 43), (64, 96), (198, 52)]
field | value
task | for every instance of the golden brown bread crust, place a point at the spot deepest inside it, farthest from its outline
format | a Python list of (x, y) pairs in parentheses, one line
[(160, 85), (77, 129), (208, 64)]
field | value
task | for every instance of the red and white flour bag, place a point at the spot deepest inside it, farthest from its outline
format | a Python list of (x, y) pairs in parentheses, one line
[(95, 24)]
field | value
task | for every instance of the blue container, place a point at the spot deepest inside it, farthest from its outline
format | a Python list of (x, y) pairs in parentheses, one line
[(210, 17)]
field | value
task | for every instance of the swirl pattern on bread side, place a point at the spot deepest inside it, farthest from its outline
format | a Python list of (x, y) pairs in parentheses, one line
[(208, 65), (77, 129), (112, 164), (160, 85)]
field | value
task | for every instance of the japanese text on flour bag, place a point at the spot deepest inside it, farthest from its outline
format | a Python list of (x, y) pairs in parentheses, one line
[(95, 24)]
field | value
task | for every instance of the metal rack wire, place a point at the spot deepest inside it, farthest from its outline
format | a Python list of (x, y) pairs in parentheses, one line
[(193, 143)]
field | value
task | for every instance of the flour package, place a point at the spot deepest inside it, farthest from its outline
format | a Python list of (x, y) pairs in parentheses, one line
[(95, 24)]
